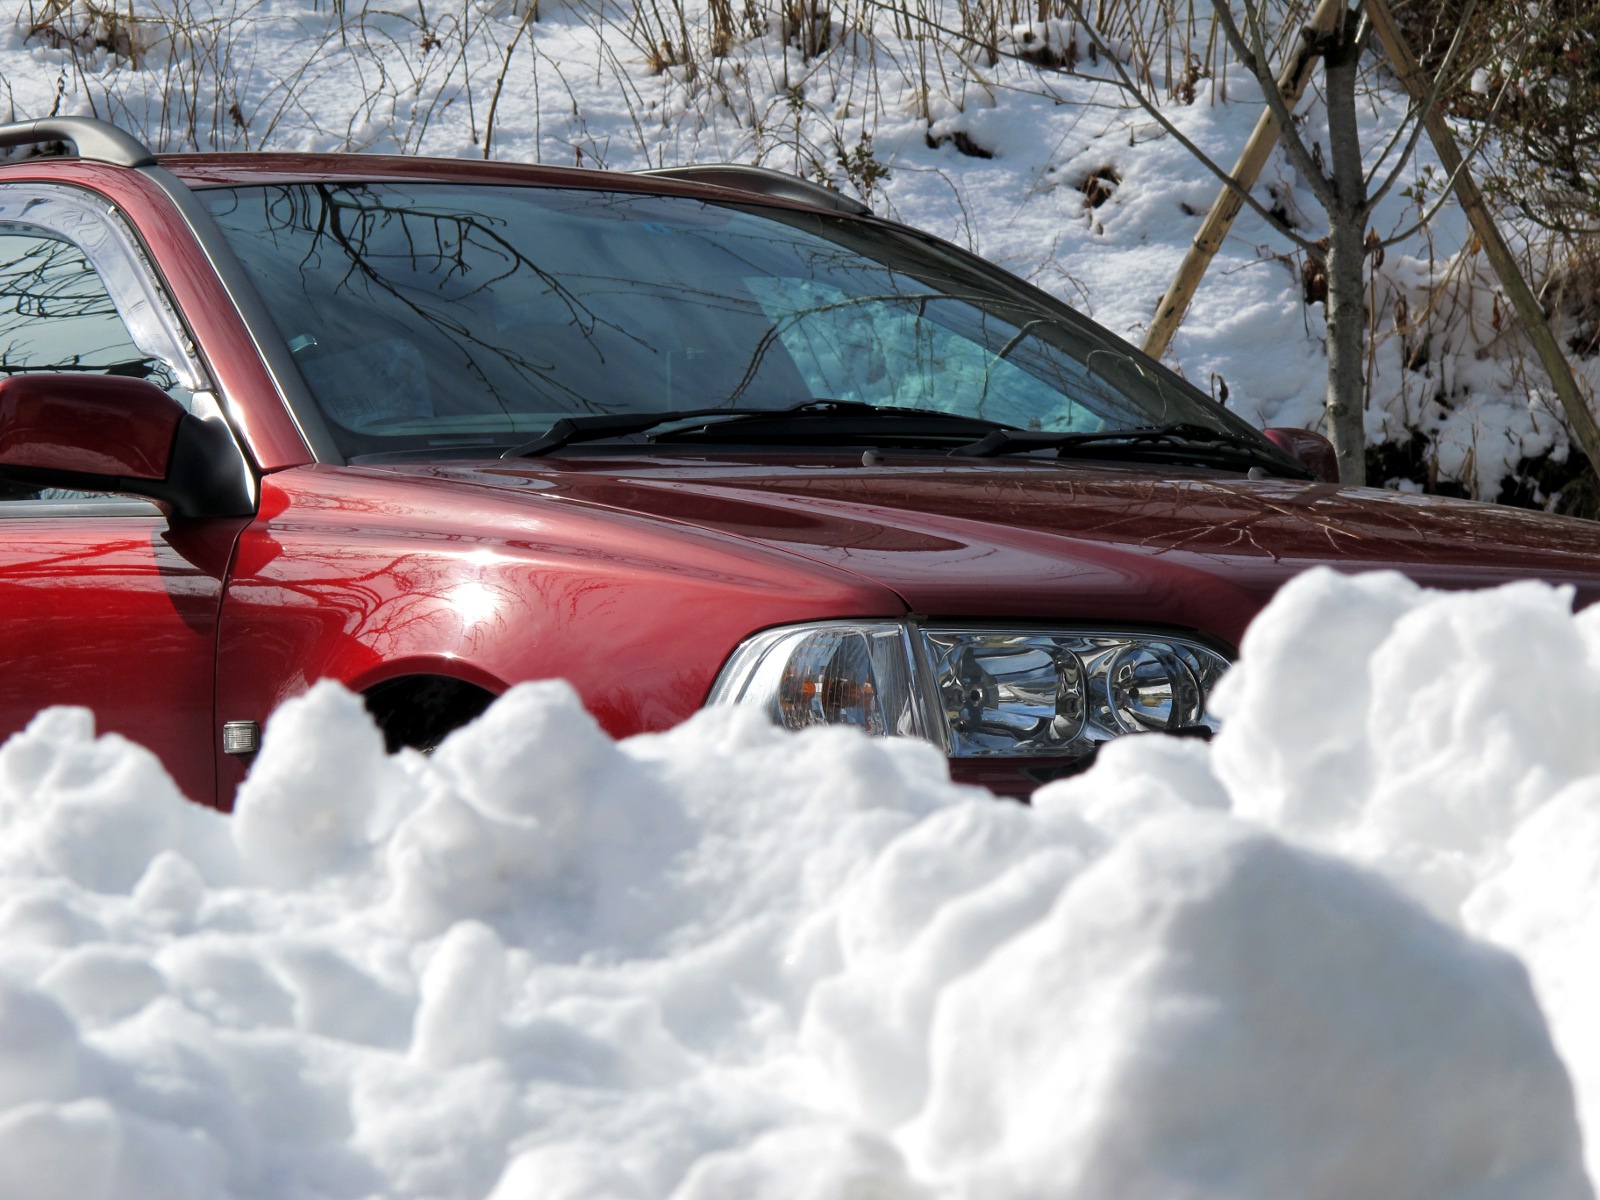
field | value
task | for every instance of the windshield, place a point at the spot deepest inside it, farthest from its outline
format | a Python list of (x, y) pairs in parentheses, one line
[(452, 314)]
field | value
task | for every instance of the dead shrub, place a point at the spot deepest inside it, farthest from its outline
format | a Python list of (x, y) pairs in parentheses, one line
[(85, 27)]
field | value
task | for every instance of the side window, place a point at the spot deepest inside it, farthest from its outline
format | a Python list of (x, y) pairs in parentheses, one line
[(76, 297), (56, 314)]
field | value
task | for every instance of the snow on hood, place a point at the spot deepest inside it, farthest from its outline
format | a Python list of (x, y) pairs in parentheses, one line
[(727, 962)]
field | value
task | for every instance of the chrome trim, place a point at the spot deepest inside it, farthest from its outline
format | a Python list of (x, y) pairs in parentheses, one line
[(53, 510)]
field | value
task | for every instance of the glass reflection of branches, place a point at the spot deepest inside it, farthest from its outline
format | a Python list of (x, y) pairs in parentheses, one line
[(56, 315), (441, 314)]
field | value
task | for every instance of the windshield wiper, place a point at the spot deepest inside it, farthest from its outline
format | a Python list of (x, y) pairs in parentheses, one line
[(597, 426), (1180, 439), (834, 417)]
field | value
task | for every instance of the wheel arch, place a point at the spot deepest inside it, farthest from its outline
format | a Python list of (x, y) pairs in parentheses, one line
[(419, 709)]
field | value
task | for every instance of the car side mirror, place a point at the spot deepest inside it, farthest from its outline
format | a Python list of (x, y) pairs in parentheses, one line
[(110, 433), (1310, 449)]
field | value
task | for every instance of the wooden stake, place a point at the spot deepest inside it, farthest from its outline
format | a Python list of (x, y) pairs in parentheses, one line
[(1417, 85), (1292, 81)]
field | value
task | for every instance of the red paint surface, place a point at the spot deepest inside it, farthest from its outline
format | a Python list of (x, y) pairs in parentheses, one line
[(102, 424), (117, 614), (363, 575)]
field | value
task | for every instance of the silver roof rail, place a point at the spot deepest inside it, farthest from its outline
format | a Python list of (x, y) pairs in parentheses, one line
[(763, 181), (88, 137)]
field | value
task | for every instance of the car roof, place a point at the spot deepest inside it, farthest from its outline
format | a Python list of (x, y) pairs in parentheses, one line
[(98, 144), (257, 168)]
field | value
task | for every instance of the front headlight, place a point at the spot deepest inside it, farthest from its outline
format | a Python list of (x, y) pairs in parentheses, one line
[(981, 692)]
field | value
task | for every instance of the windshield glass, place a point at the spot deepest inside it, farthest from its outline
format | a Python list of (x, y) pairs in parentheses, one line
[(450, 314)]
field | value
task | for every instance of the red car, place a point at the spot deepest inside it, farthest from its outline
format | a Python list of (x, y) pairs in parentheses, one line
[(707, 436)]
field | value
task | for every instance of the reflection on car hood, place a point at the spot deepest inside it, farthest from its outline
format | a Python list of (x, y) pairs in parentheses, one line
[(1047, 540)]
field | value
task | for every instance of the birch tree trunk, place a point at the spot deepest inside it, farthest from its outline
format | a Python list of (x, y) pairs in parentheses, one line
[(1347, 255), (1338, 181)]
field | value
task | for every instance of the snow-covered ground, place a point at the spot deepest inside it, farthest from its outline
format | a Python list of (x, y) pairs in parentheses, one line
[(1346, 950), (609, 83)]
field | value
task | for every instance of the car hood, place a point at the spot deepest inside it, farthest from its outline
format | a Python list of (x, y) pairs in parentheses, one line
[(1016, 539)]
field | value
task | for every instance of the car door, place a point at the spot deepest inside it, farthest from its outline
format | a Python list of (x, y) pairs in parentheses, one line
[(104, 601)]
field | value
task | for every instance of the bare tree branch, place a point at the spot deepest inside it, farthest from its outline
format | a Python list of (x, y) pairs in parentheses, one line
[(1450, 184), (1294, 147), (1417, 110), (1228, 181)]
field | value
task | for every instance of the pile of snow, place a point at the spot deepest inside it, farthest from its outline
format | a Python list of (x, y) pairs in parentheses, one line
[(728, 962)]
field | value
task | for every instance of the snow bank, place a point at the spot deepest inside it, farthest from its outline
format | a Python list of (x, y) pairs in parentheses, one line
[(726, 962)]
